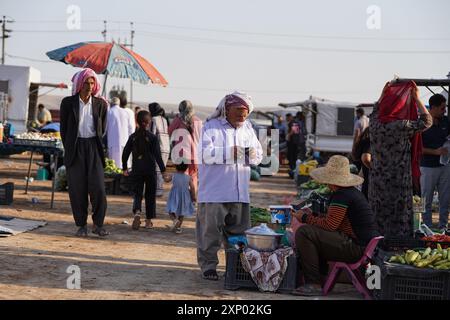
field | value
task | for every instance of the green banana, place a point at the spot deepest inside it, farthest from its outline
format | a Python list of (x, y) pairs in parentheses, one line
[(414, 256), (426, 253), (394, 259)]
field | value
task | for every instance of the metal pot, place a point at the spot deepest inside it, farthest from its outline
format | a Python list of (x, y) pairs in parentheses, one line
[(262, 242)]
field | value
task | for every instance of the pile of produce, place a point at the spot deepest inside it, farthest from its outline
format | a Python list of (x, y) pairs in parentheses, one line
[(442, 239), (111, 168), (438, 259), (38, 136), (437, 238), (317, 187), (259, 215)]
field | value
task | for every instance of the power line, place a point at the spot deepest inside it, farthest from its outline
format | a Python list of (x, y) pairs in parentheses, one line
[(265, 91), (284, 35), (250, 44), (58, 31), (30, 59), (283, 47), (331, 37)]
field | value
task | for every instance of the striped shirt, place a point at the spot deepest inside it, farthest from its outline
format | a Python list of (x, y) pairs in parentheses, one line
[(349, 213), (335, 220)]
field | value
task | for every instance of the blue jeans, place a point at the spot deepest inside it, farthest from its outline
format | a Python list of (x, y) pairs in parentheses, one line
[(431, 179)]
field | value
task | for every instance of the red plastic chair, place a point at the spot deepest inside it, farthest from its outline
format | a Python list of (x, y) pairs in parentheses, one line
[(358, 279)]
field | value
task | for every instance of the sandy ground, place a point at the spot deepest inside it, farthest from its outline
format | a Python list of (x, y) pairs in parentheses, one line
[(144, 264)]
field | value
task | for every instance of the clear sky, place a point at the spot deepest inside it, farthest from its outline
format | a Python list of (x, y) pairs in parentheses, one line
[(278, 51)]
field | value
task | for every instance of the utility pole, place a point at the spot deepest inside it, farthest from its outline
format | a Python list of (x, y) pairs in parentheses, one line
[(131, 45), (131, 80), (5, 35), (104, 31)]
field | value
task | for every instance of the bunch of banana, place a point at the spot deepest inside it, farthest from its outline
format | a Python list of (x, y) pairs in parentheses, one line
[(438, 258)]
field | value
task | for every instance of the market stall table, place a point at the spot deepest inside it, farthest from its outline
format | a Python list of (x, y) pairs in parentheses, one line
[(53, 151)]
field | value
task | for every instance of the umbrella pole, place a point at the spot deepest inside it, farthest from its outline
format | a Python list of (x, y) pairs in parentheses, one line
[(104, 85)]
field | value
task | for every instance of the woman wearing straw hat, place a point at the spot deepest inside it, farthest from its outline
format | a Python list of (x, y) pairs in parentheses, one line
[(342, 234)]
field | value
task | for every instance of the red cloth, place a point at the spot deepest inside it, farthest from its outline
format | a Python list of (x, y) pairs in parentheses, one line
[(397, 103)]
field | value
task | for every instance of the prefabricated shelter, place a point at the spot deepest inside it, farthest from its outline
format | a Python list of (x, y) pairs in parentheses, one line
[(15, 81), (329, 123), (20, 84)]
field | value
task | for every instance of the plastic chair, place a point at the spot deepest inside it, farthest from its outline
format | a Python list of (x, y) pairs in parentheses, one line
[(358, 279)]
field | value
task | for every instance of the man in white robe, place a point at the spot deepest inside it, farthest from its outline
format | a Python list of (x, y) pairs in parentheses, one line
[(131, 121), (117, 131)]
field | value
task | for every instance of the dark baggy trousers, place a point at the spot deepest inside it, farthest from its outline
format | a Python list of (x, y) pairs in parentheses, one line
[(149, 181), (85, 177), (215, 223), (316, 246)]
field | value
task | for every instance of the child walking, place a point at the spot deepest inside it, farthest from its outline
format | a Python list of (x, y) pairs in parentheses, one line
[(144, 146), (180, 202)]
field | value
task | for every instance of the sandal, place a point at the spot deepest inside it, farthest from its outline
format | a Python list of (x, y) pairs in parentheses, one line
[(100, 231), (210, 275), (308, 290), (82, 232), (148, 224), (173, 226), (178, 230), (136, 222)]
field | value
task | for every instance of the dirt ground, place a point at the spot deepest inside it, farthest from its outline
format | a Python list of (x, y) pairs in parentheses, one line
[(144, 264)]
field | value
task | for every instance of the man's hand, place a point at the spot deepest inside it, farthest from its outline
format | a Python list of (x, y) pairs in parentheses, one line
[(252, 153), (238, 152), (126, 173)]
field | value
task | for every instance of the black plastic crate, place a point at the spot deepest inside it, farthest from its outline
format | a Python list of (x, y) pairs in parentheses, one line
[(7, 193), (404, 282), (236, 277), (400, 244), (112, 185)]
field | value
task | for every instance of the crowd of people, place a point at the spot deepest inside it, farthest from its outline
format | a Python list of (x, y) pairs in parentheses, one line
[(399, 148), (213, 161)]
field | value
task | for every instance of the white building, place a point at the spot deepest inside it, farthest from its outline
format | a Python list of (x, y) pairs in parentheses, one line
[(16, 82)]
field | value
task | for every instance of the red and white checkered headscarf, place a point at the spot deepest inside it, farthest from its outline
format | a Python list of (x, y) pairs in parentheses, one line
[(80, 77), (236, 98)]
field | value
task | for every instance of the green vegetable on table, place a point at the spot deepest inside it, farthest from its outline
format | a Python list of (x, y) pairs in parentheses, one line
[(260, 215), (111, 168)]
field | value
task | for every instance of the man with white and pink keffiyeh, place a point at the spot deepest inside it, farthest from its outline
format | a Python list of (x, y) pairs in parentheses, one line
[(83, 124)]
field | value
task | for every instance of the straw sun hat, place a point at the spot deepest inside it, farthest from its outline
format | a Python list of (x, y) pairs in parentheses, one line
[(336, 172)]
